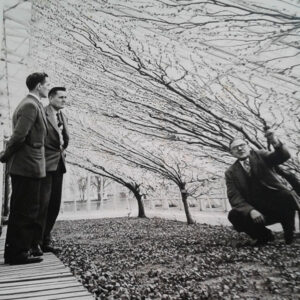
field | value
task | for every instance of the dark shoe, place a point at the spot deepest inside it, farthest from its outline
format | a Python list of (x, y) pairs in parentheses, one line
[(28, 260), (289, 236), (265, 240), (243, 244), (257, 242), (36, 251), (23, 259), (270, 237), (6, 260), (48, 248)]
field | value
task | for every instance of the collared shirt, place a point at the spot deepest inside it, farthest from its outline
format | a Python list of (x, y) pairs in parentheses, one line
[(61, 127), (246, 165), (35, 96)]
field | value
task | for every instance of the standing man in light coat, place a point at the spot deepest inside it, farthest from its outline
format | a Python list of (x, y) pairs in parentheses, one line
[(25, 158), (56, 142)]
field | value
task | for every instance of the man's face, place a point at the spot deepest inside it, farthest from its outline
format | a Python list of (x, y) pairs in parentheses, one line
[(59, 100), (240, 149), (43, 89)]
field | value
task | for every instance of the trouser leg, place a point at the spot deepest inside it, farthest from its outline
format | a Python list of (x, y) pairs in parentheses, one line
[(42, 215), (282, 205), (24, 208), (244, 223), (288, 209), (54, 205)]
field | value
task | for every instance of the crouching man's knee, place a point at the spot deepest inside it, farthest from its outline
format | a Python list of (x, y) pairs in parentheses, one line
[(237, 219), (235, 216)]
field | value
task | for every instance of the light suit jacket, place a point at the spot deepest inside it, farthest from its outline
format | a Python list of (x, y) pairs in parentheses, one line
[(53, 150)]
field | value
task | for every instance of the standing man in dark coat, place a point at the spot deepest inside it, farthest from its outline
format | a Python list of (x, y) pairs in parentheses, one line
[(56, 142), (257, 194), (25, 158)]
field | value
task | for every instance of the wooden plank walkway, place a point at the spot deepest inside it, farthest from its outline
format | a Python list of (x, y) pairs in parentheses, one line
[(47, 280)]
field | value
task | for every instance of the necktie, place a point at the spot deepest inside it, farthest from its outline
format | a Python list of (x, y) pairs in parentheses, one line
[(60, 128), (59, 121), (246, 165)]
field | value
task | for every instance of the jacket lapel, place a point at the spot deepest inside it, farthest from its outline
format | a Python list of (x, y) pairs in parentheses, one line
[(65, 131), (50, 118), (65, 125), (241, 177)]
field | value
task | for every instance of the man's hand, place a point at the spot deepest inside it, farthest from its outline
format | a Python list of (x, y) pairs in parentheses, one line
[(271, 138), (257, 217), (2, 156)]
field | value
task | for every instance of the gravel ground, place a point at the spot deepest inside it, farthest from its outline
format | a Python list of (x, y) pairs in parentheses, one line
[(131, 258)]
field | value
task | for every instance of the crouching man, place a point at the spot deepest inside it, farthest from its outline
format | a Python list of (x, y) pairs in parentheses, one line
[(257, 194)]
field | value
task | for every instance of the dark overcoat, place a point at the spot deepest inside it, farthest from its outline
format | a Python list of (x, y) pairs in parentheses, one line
[(263, 166), (25, 152)]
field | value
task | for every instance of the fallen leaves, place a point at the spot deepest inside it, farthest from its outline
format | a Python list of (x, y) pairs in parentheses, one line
[(128, 258)]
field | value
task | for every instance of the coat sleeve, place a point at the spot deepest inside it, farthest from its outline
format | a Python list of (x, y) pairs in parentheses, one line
[(235, 198), (26, 117), (280, 155)]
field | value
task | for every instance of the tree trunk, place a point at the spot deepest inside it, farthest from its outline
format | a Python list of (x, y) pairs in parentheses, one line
[(184, 197), (140, 202), (98, 199)]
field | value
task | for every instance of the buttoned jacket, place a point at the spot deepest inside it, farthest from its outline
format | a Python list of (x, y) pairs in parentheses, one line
[(53, 148)]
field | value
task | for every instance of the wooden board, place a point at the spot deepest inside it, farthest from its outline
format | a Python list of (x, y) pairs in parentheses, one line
[(47, 280)]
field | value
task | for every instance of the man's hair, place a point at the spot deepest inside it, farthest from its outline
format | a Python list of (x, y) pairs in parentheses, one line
[(54, 90), (34, 79), (234, 139)]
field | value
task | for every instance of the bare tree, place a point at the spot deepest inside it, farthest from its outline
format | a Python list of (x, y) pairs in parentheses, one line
[(82, 187), (162, 160), (159, 91), (199, 73), (115, 175), (100, 183)]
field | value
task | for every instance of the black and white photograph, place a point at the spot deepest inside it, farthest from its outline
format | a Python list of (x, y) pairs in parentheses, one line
[(149, 149)]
